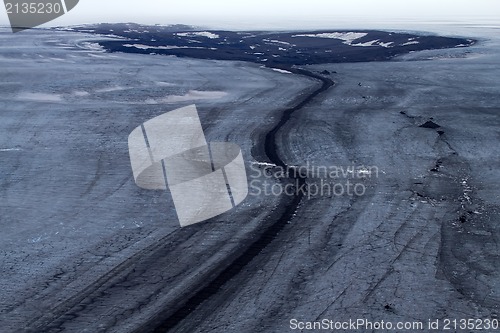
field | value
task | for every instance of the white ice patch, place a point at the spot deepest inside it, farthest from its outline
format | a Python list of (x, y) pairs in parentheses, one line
[(370, 43), (264, 164), (192, 95), (9, 149), (39, 97), (198, 34), (101, 56), (113, 36), (375, 42), (347, 37), (80, 93), (168, 47), (362, 172), (164, 84), (388, 44), (467, 189), (111, 89), (410, 43), (92, 46), (136, 31), (274, 41), (281, 71)]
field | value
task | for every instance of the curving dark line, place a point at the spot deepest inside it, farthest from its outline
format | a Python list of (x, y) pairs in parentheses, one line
[(161, 325), (270, 143)]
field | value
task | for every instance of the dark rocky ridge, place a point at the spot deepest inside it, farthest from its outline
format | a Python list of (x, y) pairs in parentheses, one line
[(269, 48)]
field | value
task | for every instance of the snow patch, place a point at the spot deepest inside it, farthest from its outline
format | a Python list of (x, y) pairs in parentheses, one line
[(9, 149), (264, 164), (274, 41), (281, 71), (136, 31), (92, 46), (347, 37), (388, 44), (80, 93), (375, 42), (198, 34), (168, 47), (164, 84), (111, 89), (413, 42)]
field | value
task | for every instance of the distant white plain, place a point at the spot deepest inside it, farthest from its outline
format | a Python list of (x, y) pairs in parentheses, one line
[(280, 14)]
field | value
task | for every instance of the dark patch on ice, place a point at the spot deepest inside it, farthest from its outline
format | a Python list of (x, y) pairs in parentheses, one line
[(430, 124), (389, 307)]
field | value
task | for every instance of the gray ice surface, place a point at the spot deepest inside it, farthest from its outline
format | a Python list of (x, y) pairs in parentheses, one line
[(72, 218), (420, 244)]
